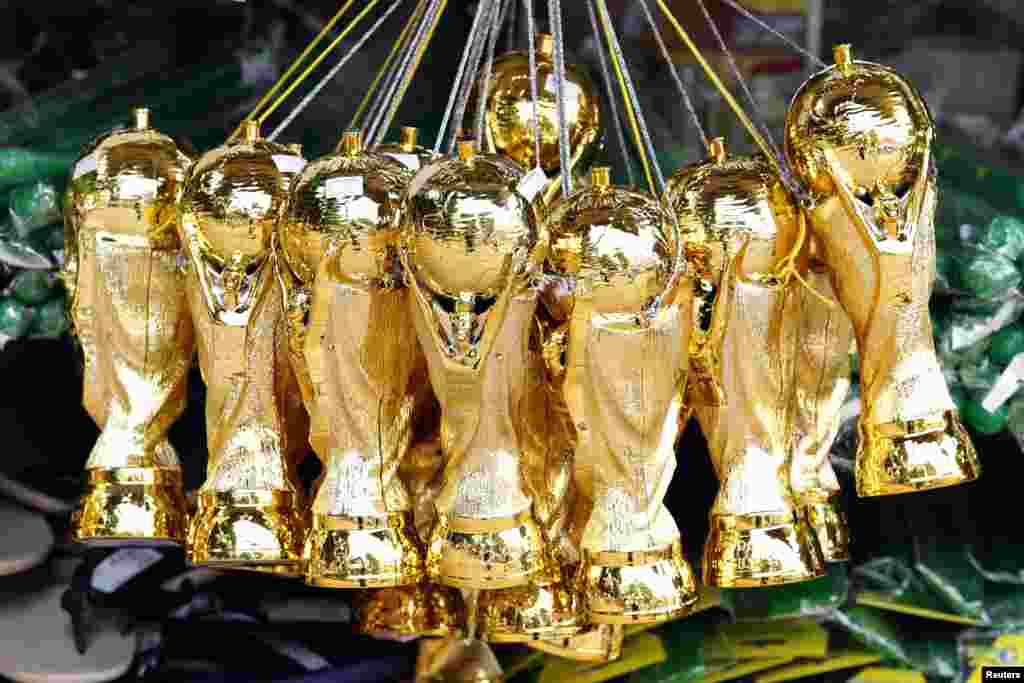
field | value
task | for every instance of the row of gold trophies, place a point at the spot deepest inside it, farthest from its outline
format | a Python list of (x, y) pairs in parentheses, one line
[(494, 375)]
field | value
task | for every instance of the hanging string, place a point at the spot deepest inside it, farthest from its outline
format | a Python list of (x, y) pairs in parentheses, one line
[(675, 76), (781, 36), (531, 36), (423, 39), (473, 68), (610, 94), (500, 9), (400, 44), (656, 182), (295, 65), (459, 73), (316, 62), (380, 101), (555, 17), (329, 76)]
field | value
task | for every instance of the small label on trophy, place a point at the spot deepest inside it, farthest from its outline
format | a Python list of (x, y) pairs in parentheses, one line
[(410, 161), (288, 163), (86, 165), (345, 186), (532, 183), (122, 567)]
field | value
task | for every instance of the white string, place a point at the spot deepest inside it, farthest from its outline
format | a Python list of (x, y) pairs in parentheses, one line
[(555, 17), (610, 93), (532, 52), (331, 74), (480, 41), (473, 30), (500, 8), (781, 36)]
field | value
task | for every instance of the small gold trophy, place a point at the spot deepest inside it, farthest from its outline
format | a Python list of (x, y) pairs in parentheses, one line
[(758, 536), (250, 512), (860, 137), (618, 259), (472, 250), (127, 305)]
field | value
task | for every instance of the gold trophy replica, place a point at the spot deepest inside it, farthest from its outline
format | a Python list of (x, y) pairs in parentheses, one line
[(127, 305), (251, 513)]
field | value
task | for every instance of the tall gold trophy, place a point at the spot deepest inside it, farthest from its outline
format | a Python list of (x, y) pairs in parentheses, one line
[(618, 259), (127, 305), (250, 514), (758, 536), (860, 138), (472, 249)]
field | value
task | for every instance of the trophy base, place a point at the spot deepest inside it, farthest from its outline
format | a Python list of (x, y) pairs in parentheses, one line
[(420, 610), (646, 587), (828, 523), (485, 554), (527, 613), (363, 552), (131, 506), (915, 456), (747, 551), (254, 530), (598, 643)]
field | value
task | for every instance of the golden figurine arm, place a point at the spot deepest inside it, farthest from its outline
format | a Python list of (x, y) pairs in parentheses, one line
[(296, 301), (69, 271)]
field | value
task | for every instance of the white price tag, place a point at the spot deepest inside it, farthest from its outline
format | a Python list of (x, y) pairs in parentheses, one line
[(288, 163), (121, 567), (410, 161), (344, 186), (86, 165), (1006, 386), (532, 183)]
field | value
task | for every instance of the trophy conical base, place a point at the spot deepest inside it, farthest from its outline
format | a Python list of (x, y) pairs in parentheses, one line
[(362, 552), (597, 643), (828, 523), (131, 506), (746, 551), (527, 613), (421, 610), (915, 456), (485, 554), (255, 530), (637, 587)]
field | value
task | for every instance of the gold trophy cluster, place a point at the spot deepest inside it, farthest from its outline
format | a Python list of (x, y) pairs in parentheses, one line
[(494, 375)]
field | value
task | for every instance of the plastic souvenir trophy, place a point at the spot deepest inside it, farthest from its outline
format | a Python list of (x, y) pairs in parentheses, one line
[(341, 281), (821, 383), (619, 259), (860, 137), (250, 513), (471, 251), (757, 536), (127, 305)]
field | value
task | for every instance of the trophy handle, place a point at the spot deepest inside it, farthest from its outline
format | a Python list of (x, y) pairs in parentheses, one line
[(69, 272), (296, 300)]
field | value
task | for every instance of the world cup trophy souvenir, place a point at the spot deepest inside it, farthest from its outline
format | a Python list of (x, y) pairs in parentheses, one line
[(757, 536), (472, 249), (508, 124), (127, 305), (619, 258), (821, 383), (859, 137), (338, 243), (251, 513)]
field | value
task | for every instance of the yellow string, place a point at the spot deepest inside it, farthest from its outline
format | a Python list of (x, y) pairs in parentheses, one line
[(628, 102), (733, 104), (787, 268), (420, 9), (323, 55), (295, 65)]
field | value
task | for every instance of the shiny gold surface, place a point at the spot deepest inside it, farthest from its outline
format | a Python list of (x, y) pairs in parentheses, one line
[(340, 238), (527, 613), (256, 427), (599, 643), (638, 588), (860, 137), (751, 223), (126, 300), (471, 251), (406, 151), (822, 382), (508, 120), (457, 661), (420, 610), (613, 254)]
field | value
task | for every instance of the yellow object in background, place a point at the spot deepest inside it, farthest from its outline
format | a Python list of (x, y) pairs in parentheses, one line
[(746, 668), (884, 674), (880, 601), (1007, 650), (776, 6), (637, 653), (757, 640), (843, 659)]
